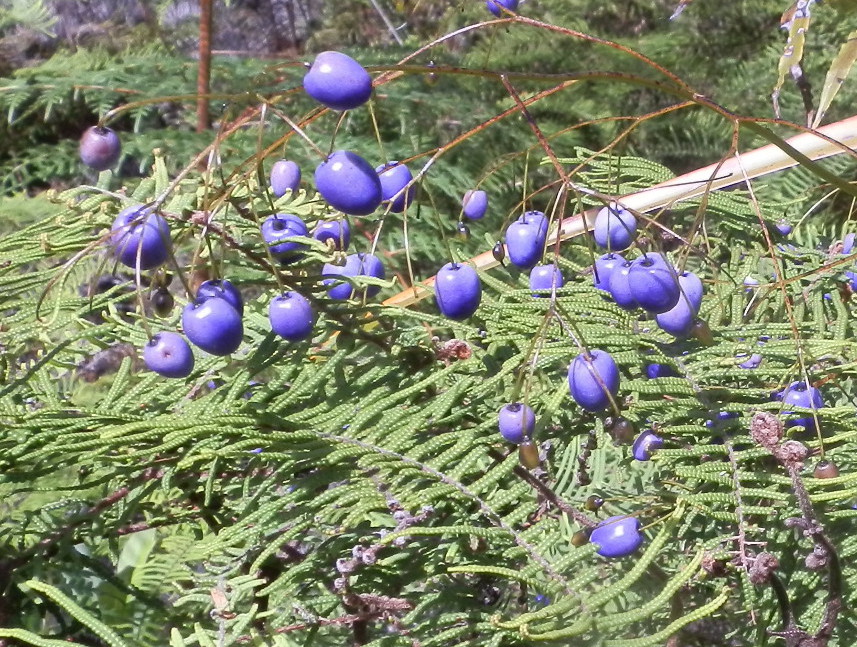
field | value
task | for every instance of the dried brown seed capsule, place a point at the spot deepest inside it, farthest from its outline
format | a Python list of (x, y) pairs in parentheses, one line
[(528, 455), (621, 430), (826, 470), (702, 332), (499, 252), (162, 302), (580, 538), (593, 503)]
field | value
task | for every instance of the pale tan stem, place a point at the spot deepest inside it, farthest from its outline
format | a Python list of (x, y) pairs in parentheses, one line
[(753, 164)]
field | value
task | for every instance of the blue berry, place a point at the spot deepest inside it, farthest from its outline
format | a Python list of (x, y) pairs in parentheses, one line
[(645, 444), (338, 81), (224, 289), (517, 422), (545, 277), (783, 227), (799, 394), (168, 354), (496, 6), (653, 283), (138, 231), (654, 371), (394, 177), (474, 204), (604, 266), (100, 148), (593, 380), (337, 231), (457, 290), (284, 225), (213, 325), (615, 228), (620, 289), (617, 536), (291, 316), (355, 265), (525, 239), (285, 176), (348, 183)]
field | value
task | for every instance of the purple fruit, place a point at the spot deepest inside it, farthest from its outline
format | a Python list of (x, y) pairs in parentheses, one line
[(645, 444), (337, 231), (619, 287), (617, 536), (653, 283), (593, 381), (291, 316), (395, 177), (355, 265), (545, 277), (752, 362), (615, 228), (525, 239), (604, 267), (678, 321), (100, 148), (223, 289), (848, 244), (168, 354), (139, 232), (517, 422), (213, 325), (349, 183), (654, 371), (691, 289), (474, 204), (750, 282), (457, 290), (284, 225), (338, 81), (496, 6), (798, 394), (285, 176), (783, 227)]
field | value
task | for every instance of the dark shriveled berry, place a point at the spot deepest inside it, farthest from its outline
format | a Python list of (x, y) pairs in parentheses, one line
[(528, 455), (593, 503), (826, 470), (162, 302)]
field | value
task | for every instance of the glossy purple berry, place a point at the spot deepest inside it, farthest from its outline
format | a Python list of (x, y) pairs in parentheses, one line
[(678, 321), (223, 289), (619, 287), (593, 380), (615, 228), (139, 232), (691, 289), (617, 536), (213, 325), (848, 244), (496, 6), (100, 148), (645, 445), (291, 316), (338, 81), (799, 394), (457, 290), (517, 422), (604, 266), (355, 265), (525, 239), (394, 177), (337, 231), (168, 354), (751, 362), (284, 225), (474, 204), (653, 283), (285, 176), (654, 371), (348, 183), (545, 277), (784, 227)]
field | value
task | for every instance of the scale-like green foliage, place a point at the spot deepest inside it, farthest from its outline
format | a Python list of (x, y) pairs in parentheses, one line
[(354, 489)]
